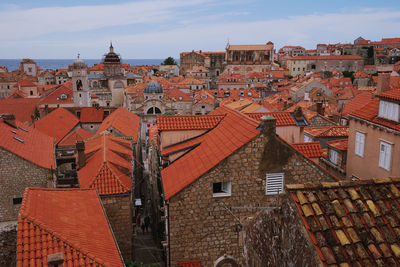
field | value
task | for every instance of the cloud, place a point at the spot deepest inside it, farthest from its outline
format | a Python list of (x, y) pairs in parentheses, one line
[(177, 26)]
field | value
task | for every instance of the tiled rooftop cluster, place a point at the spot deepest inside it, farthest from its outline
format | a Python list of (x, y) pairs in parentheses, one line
[(353, 223)]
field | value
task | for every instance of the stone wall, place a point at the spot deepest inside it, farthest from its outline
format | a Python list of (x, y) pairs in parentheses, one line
[(318, 121), (277, 238), (8, 243), (119, 213), (206, 227), (16, 174)]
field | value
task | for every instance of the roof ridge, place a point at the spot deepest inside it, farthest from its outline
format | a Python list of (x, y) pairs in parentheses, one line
[(116, 176), (57, 235)]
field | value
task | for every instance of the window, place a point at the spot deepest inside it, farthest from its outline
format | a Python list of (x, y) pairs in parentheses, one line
[(385, 154), (389, 110), (360, 142), (307, 138), (333, 156), (17, 200), (221, 189), (274, 183)]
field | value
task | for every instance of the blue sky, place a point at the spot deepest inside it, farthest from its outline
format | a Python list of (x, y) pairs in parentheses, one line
[(158, 29)]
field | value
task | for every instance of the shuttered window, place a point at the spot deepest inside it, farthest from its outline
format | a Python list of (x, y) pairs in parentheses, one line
[(333, 156), (389, 110), (385, 155), (274, 183), (360, 142)]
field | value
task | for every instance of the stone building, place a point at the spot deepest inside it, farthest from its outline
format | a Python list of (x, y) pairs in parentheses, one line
[(105, 163), (65, 227), (213, 61), (324, 134), (336, 157), (301, 64), (224, 177), (244, 59)]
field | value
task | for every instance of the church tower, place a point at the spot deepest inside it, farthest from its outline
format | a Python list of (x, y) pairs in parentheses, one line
[(80, 84), (112, 63)]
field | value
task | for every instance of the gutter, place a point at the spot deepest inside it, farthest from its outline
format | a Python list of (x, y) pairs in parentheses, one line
[(390, 130)]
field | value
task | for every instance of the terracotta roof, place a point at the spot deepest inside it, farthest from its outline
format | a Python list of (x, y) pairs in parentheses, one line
[(78, 134), (393, 94), (230, 134), (57, 124), (332, 57), (309, 149), (370, 113), (187, 122), (91, 114), (55, 96), (177, 95), (351, 223), (328, 131), (24, 83), (23, 108), (356, 103), (32, 145), (282, 118), (340, 144), (71, 221), (253, 108), (108, 165), (124, 121)]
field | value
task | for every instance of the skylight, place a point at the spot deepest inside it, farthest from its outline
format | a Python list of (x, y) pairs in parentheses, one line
[(23, 129), (19, 139)]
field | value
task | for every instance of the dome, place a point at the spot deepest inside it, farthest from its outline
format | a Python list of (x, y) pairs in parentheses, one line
[(153, 87), (79, 64)]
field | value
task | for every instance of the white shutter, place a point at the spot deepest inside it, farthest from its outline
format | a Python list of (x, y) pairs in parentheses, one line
[(333, 156), (385, 154), (274, 183), (360, 142)]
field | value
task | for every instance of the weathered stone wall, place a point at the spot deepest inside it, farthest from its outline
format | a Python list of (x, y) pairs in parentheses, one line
[(277, 238), (119, 213), (8, 243), (206, 227), (16, 174), (318, 121)]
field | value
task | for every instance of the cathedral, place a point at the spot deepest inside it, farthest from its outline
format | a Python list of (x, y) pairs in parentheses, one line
[(101, 89)]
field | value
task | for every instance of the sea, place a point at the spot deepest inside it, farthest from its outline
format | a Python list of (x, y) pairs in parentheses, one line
[(44, 64)]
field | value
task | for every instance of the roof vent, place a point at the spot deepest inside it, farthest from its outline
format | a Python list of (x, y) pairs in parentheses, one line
[(23, 129), (55, 259)]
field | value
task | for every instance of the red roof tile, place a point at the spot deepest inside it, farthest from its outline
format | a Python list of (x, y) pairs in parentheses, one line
[(340, 144), (57, 124), (91, 114), (309, 149), (282, 118), (230, 134), (356, 103), (77, 135), (328, 131), (393, 94), (24, 83), (23, 108), (71, 221), (108, 165), (57, 96), (187, 122), (124, 121), (177, 95), (34, 146), (351, 223)]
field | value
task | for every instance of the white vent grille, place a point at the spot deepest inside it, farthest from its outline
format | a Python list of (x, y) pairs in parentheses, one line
[(274, 183)]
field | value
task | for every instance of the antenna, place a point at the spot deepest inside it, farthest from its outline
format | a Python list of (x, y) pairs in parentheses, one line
[(79, 55)]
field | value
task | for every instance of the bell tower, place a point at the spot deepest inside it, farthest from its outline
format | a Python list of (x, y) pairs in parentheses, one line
[(80, 84)]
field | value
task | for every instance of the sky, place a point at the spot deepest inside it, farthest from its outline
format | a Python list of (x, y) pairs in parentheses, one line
[(144, 29)]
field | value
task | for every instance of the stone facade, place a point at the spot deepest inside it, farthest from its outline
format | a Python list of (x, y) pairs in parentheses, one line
[(275, 237), (16, 174), (8, 244), (119, 213), (205, 227), (319, 120)]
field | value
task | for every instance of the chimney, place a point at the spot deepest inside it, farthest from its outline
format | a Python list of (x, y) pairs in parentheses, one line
[(383, 81), (320, 109), (56, 259), (267, 125), (80, 148), (9, 119), (298, 113)]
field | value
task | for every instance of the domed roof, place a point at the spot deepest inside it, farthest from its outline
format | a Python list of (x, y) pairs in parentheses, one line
[(79, 64), (153, 87), (111, 57)]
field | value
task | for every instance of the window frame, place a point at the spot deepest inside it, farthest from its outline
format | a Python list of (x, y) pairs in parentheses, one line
[(226, 189), (333, 156), (385, 158), (358, 149)]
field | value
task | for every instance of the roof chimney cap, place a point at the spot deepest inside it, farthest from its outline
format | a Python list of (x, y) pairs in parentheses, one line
[(267, 125)]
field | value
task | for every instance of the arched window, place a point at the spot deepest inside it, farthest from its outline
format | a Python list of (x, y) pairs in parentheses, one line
[(153, 110)]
